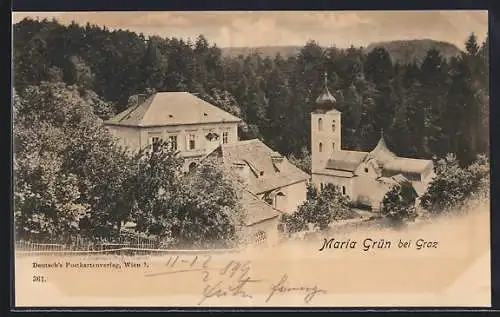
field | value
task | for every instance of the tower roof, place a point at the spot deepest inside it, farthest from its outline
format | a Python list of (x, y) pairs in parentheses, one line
[(326, 98), (381, 152)]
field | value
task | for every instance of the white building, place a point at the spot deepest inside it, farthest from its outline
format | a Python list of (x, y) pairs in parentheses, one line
[(187, 123), (363, 176)]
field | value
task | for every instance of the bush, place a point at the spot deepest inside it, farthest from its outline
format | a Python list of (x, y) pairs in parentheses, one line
[(398, 204), (453, 184)]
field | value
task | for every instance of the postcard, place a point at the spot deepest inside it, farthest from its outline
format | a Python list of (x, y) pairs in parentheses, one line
[(251, 159)]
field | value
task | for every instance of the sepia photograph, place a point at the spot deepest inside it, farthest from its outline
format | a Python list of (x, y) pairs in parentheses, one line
[(251, 159)]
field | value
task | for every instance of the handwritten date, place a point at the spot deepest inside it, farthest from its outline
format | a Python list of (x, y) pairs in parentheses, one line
[(230, 281)]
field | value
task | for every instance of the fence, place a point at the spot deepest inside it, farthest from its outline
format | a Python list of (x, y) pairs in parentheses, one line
[(124, 245)]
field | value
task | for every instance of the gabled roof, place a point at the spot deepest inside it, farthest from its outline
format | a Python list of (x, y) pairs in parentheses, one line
[(256, 210), (171, 108), (259, 158), (345, 160)]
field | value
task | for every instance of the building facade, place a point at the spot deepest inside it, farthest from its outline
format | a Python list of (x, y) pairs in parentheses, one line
[(365, 177), (270, 184), (186, 123)]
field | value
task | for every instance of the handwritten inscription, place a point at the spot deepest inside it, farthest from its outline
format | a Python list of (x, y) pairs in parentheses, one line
[(233, 280), (282, 287)]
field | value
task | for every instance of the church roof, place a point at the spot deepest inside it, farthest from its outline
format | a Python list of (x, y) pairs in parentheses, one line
[(268, 175), (256, 209), (345, 160), (171, 108), (387, 163)]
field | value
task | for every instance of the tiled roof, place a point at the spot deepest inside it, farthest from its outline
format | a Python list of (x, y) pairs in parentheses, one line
[(267, 175), (171, 108), (386, 161), (345, 160), (256, 209)]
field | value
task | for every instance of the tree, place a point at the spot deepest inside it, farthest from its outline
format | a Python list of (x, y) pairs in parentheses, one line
[(453, 184), (398, 204), (60, 142), (319, 210), (201, 209)]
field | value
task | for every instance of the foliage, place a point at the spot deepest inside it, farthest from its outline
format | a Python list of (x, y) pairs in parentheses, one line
[(399, 203), (414, 97), (319, 210), (453, 184), (198, 210), (68, 170)]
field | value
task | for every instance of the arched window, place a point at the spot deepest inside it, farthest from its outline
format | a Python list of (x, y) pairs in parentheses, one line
[(343, 190), (320, 147), (320, 124), (333, 146), (192, 166), (333, 126)]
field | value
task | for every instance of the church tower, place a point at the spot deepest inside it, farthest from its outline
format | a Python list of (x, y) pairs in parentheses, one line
[(325, 128)]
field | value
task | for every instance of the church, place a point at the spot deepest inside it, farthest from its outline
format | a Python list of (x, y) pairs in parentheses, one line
[(365, 177)]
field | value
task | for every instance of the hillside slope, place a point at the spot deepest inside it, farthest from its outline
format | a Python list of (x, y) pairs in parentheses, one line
[(409, 50), (402, 50)]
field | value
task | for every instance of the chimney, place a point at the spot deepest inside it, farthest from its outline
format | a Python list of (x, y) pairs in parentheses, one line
[(141, 98), (137, 100)]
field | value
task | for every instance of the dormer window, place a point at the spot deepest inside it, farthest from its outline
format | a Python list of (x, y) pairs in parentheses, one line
[(261, 173)]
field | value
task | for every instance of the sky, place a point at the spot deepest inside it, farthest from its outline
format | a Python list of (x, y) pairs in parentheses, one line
[(273, 28)]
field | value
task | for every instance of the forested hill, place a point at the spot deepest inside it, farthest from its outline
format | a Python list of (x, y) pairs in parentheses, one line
[(426, 109), (404, 51), (411, 50), (264, 51)]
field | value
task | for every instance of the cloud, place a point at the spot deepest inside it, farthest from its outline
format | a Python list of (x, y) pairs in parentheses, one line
[(247, 28)]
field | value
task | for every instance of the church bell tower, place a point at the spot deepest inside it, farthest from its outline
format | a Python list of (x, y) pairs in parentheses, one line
[(325, 128)]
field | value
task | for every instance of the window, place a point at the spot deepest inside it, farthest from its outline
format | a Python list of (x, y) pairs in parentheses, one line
[(224, 137), (321, 186), (172, 142), (366, 169), (343, 190), (192, 141), (260, 237), (333, 146), (155, 142), (333, 126), (320, 147), (320, 124)]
